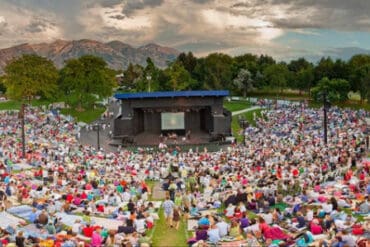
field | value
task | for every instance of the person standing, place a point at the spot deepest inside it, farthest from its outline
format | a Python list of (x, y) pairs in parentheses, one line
[(96, 239), (20, 239), (176, 217), (168, 207)]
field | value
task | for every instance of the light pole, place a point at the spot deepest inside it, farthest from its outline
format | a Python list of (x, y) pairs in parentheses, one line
[(21, 116), (96, 127), (326, 107), (149, 77)]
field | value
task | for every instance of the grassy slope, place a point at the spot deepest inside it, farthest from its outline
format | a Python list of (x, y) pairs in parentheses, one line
[(165, 236), (86, 116), (236, 105), (16, 105), (249, 117)]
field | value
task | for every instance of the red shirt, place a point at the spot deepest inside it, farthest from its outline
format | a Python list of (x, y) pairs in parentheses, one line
[(88, 231), (316, 229), (69, 198)]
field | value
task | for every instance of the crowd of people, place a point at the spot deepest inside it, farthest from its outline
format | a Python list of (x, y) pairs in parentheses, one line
[(282, 187)]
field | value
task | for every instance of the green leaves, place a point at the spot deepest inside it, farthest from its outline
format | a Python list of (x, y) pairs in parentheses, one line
[(244, 81), (277, 75), (30, 76), (86, 80), (337, 89)]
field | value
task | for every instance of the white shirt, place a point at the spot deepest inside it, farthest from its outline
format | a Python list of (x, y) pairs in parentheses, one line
[(223, 228)]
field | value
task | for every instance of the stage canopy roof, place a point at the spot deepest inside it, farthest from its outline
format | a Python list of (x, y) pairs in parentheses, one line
[(172, 94)]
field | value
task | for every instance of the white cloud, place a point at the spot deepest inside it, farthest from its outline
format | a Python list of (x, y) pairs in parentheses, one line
[(233, 26)]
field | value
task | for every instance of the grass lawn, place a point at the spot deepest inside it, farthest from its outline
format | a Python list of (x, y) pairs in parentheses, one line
[(162, 235), (86, 116), (236, 105), (16, 105), (249, 117), (10, 105)]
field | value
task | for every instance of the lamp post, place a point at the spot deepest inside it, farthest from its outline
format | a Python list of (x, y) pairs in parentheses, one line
[(96, 127), (149, 78), (326, 107), (23, 136)]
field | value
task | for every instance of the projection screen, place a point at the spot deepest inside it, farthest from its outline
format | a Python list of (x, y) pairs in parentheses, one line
[(172, 121)]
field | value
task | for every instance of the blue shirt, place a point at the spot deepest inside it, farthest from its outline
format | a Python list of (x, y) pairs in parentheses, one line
[(214, 235), (204, 221), (32, 217)]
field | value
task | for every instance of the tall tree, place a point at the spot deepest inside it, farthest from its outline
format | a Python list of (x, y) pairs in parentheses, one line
[(337, 89), (298, 65), (131, 76), (356, 62), (362, 79), (277, 76), (29, 76), (324, 69), (2, 85), (188, 61), (244, 81), (304, 79), (85, 80), (179, 78), (217, 71)]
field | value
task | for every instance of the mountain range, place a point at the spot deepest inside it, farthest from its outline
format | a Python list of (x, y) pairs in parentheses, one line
[(117, 54)]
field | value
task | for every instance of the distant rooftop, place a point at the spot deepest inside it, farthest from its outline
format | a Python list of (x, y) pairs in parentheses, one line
[(172, 94)]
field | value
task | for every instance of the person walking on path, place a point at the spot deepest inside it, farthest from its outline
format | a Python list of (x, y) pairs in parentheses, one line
[(168, 207), (176, 217)]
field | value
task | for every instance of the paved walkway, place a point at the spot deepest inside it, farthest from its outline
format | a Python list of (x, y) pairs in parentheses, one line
[(158, 193), (234, 113)]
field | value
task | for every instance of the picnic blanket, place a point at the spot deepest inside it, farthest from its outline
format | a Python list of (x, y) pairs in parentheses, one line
[(21, 166), (192, 224), (69, 220), (237, 243), (7, 219), (282, 206), (33, 231), (22, 211)]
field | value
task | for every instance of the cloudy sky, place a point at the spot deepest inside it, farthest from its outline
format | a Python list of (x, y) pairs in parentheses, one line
[(284, 29)]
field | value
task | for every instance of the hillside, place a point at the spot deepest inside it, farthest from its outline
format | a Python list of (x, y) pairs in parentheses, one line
[(117, 54)]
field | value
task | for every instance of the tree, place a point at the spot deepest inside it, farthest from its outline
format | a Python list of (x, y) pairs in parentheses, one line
[(86, 80), (131, 76), (179, 78), (244, 81), (362, 78), (188, 61), (215, 71), (277, 76), (30, 76), (304, 79), (337, 89), (2, 86), (324, 69), (298, 65), (354, 65)]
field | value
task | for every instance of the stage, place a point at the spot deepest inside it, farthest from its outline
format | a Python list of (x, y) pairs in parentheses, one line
[(145, 117), (153, 139)]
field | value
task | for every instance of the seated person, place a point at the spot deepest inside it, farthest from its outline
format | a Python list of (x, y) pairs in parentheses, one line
[(230, 211), (301, 222), (235, 231), (88, 230), (315, 227), (128, 228), (214, 234), (204, 222), (194, 211), (364, 207)]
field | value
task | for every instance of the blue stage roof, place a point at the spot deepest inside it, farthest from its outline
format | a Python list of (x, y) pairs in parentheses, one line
[(171, 94)]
